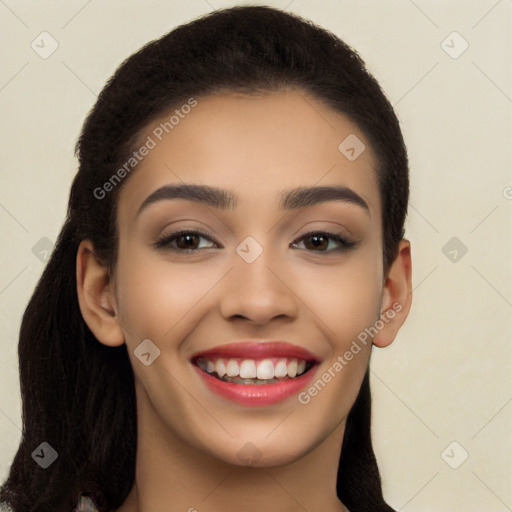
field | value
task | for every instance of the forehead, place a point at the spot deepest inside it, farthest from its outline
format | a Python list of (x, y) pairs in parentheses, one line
[(256, 145)]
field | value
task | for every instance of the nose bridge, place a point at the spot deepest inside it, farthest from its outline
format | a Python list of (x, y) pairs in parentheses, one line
[(254, 261), (257, 288)]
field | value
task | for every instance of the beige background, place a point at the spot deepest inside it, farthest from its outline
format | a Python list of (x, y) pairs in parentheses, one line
[(447, 377)]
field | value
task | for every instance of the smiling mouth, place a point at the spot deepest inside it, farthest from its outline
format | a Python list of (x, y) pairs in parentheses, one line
[(254, 371)]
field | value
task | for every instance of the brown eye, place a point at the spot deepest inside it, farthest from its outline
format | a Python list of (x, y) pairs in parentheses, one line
[(184, 240), (187, 241), (318, 241)]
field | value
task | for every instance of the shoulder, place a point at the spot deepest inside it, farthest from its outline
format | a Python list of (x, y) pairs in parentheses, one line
[(85, 504)]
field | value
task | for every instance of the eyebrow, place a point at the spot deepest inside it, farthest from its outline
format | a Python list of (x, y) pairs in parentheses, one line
[(224, 199)]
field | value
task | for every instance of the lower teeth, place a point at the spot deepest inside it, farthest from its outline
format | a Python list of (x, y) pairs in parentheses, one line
[(239, 380)]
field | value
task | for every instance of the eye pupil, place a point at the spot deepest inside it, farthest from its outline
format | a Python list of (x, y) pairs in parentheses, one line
[(319, 241), (187, 245)]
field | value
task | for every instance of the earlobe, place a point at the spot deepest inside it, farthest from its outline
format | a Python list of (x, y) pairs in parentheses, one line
[(396, 296), (96, 297)]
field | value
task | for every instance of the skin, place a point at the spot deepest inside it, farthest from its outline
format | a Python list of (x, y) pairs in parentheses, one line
[(188, 437)]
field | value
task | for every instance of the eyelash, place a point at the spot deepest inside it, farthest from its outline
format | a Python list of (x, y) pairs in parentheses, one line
[(165, 241)]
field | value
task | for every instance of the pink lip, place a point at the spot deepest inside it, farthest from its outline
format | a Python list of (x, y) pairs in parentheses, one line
[(258, 350), (257, 394)]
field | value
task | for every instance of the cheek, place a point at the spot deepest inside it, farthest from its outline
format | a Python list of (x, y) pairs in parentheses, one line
[(153, 295), (345, 298), (156, 295)]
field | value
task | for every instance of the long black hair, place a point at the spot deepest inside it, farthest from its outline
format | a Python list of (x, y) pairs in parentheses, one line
[(78, 394)]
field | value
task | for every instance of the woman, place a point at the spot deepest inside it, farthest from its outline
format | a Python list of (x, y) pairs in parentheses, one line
[(200, 338)]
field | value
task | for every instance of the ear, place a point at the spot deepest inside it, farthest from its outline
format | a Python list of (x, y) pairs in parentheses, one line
[(96, 297), (396, 296)]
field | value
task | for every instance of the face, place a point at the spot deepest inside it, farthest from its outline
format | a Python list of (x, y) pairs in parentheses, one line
[(308, 273)]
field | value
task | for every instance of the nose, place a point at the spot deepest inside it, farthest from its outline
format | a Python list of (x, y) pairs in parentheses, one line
[(259, 291)]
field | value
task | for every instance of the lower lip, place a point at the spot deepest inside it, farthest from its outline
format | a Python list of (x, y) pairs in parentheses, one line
[(257, 394)]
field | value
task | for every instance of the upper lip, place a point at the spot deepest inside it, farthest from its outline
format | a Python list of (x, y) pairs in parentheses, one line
[(258, 350)]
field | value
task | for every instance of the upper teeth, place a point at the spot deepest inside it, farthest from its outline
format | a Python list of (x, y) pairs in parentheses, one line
[(264, 369)]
